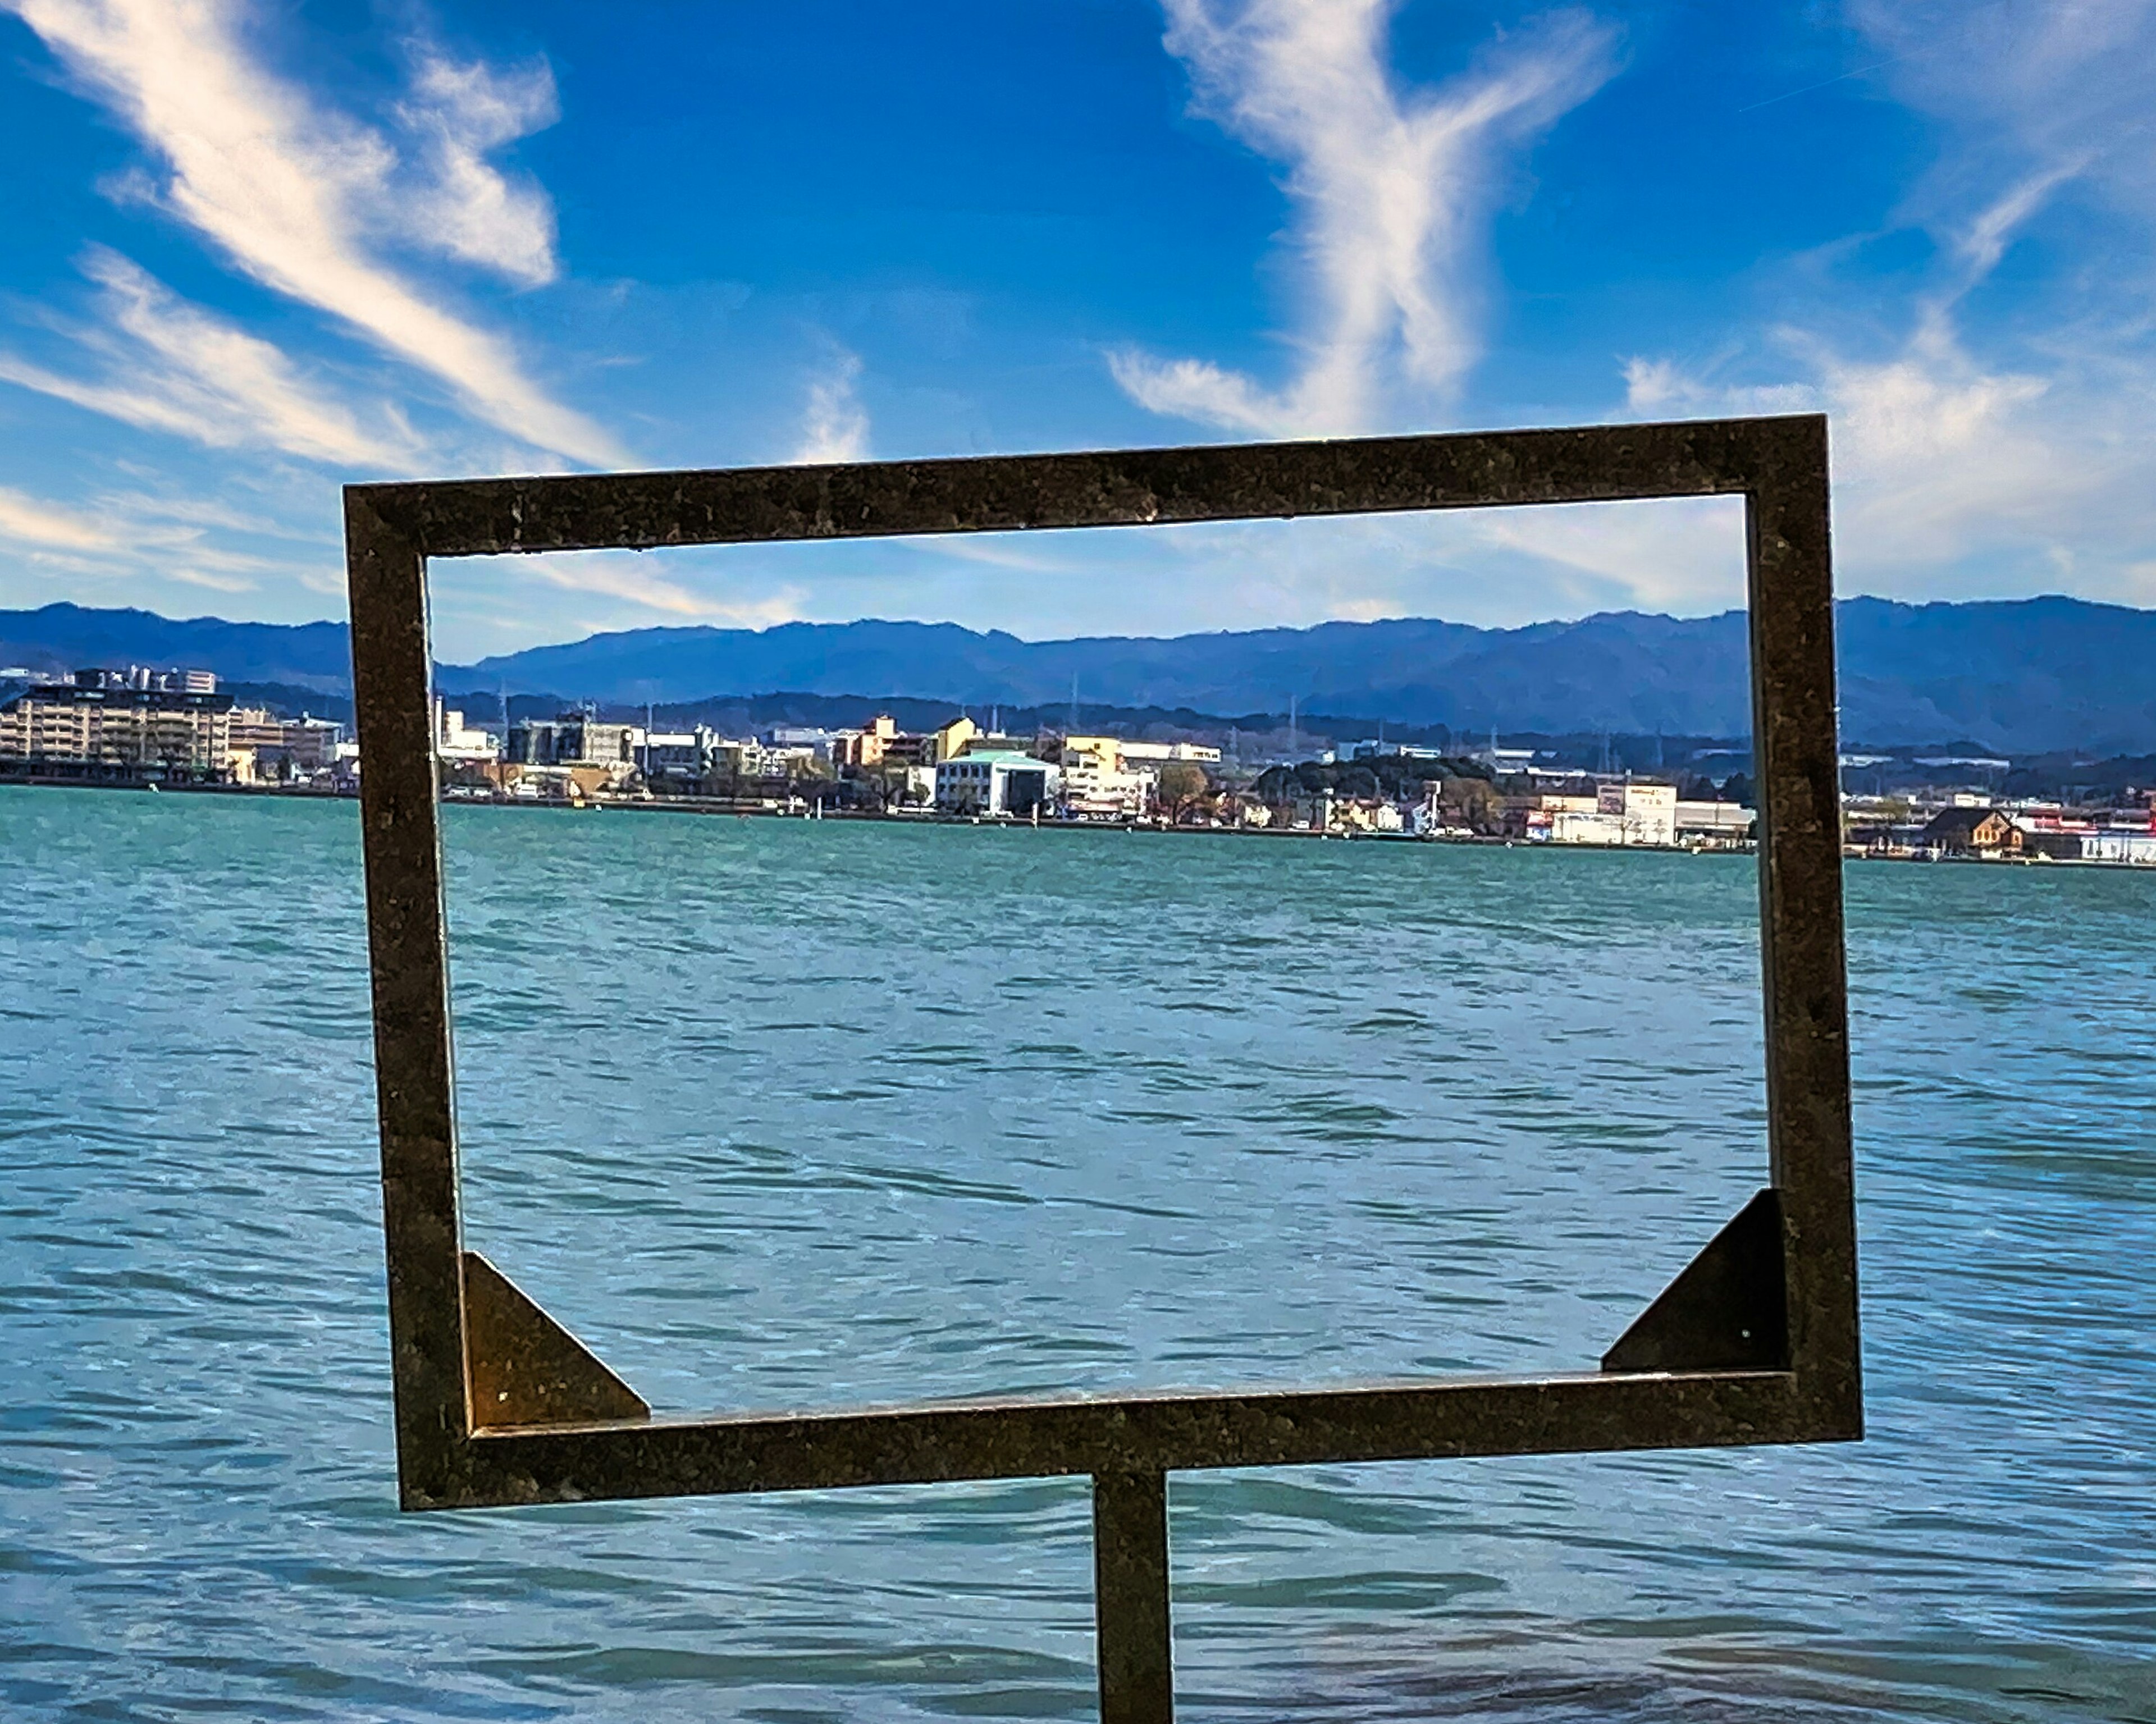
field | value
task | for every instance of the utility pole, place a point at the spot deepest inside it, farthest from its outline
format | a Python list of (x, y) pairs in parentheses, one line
[(1292, 750)]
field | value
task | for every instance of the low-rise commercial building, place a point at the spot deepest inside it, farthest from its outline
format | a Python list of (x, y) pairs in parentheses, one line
[(994, 782), (1159, 753), (1719, 823), (1621, 812), (2135, 845)]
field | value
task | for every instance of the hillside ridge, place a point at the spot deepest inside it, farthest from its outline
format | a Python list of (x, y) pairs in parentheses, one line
[(2018, 675)]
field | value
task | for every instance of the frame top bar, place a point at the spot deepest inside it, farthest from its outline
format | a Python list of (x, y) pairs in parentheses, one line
[(473, 517)]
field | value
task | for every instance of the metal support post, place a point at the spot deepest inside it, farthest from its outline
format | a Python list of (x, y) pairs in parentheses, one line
[(1130, 1598)]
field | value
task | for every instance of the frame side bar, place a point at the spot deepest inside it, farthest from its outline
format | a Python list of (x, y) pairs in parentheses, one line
[(392, 687), (1796, 763)]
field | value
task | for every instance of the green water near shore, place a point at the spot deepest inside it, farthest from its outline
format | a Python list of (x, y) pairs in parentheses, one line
[(784, 1113)]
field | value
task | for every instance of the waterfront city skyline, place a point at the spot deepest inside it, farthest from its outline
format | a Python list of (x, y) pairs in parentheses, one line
[(258, 254)]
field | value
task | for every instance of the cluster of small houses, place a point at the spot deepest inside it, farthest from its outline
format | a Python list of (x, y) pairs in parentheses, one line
[(179, 726), (1971, 827)]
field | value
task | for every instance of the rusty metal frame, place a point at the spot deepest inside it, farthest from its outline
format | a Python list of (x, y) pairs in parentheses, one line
[(1755, 1343)]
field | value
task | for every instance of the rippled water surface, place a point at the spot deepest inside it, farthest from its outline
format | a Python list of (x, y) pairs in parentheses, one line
[(787, 1114)]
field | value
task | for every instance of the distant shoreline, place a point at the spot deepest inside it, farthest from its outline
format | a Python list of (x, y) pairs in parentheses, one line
[(719, 806)]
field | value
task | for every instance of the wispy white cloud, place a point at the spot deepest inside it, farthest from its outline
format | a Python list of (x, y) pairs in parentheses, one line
[(835, 425), (462, 204), (145, 542), (1940, 459), (2058, 85), (194, 511), (630, 578), (1391, 191), (619, 578), (492, 604), (1681, 555), (213, 580), (28, 520), (170, 366), (301, 196), (1983, 449)]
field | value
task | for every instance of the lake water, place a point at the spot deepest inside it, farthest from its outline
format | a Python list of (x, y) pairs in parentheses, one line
[(784, 1114)]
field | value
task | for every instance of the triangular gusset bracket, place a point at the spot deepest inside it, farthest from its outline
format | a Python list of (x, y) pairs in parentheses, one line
[(526, 1369), (1727, 1312)]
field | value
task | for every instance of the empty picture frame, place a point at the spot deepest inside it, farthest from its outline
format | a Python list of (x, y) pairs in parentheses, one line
[(1755, 1343)]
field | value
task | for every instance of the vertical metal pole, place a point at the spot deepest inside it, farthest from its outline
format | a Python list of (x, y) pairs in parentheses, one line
[(1130, 1599)]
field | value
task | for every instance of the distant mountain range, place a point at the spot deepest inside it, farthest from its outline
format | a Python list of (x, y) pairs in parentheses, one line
[(2020, 676)]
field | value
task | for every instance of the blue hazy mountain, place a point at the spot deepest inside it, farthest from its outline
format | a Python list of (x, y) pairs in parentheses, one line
[(2025, 675), (67, 637)]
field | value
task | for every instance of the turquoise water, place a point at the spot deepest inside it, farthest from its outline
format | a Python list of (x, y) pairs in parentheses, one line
[(784, 1114)]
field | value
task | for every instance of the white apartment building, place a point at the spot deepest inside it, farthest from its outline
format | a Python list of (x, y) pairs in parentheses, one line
[(458, 744)]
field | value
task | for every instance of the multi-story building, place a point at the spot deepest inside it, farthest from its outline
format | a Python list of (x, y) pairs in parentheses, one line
[(1646, 813), (458, 744), (864, 747), (1097, 784), (261, 744), (572, 739), (129, 721), (676, 754)]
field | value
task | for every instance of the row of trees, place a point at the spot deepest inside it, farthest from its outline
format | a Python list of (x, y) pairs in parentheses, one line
[(1394, 776)]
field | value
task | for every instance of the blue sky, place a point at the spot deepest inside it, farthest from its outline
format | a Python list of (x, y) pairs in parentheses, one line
[(255, 252)]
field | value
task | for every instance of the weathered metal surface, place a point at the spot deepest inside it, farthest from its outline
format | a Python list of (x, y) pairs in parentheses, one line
[(409, 962), (1706, 1366), (1016, 1439), (1135, 1642), (524, 1368), (1727, 1312), (1105, 488)]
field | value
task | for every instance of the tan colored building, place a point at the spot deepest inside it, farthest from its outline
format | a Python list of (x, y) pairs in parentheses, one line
[(1098, 782), (948, 742), (867, 747), (278, 746), (1971, 832), (255, 728)]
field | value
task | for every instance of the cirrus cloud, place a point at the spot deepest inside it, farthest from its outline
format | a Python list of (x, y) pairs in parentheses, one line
[(170, 366), (1391, 191), (300, 197)]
